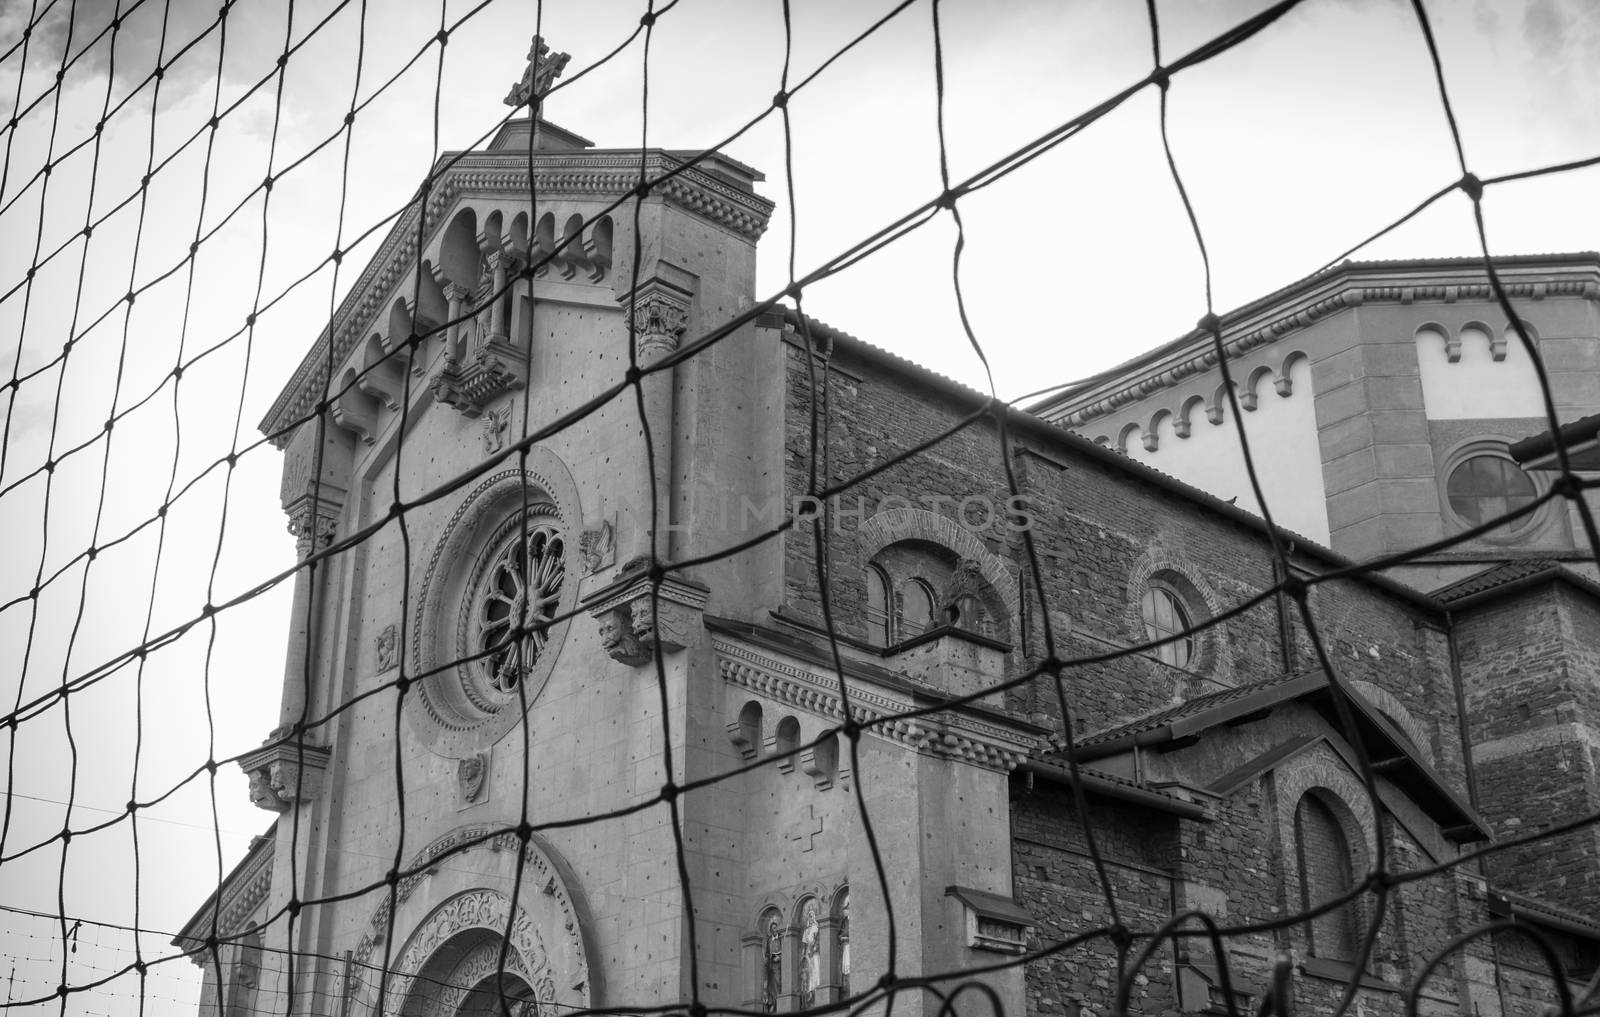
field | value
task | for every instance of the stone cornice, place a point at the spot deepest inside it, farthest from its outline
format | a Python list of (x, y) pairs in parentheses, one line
[(1290, 310), (243, 891), (587, 174), (950, 733)]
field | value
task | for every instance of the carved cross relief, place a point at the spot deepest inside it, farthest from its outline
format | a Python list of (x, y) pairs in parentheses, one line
[(806, 829)]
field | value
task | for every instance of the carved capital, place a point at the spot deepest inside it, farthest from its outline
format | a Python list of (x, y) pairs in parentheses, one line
[(312, 522), (633, 622), (660, 316), (284, 773)]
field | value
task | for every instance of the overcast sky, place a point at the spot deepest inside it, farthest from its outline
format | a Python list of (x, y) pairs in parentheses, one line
[(1294, 147)]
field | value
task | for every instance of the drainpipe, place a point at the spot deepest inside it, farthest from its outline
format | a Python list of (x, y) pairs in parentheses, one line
[(1461, 709)]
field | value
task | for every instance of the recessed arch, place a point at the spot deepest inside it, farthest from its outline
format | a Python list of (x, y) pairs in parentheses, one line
[(1186, 415), (1129, 431), (459, 256)]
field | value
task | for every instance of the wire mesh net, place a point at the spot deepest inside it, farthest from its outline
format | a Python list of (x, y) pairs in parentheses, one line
[(185, 193)]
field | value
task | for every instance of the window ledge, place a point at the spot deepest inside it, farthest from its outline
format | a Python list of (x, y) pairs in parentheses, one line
[(1344, 971)]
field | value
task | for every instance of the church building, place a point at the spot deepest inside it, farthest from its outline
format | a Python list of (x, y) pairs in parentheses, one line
[(586, 727)]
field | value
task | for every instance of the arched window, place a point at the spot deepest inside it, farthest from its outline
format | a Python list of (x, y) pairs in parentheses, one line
[(1164, 617), (1486, 486), (878, 628), (917, 610), (1325, 873)]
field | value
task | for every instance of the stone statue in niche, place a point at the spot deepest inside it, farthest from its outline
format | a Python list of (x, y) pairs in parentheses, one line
[(495, 425), (810, 954), (470, 774), (965, 582), (772, 966), (844, 945), (384, 648)]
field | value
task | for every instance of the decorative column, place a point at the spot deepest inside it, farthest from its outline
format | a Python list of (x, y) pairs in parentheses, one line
[(456, 296), (660, 311), (288, 767)]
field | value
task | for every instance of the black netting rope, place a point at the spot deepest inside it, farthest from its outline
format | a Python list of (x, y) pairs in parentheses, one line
[(1570, 486)]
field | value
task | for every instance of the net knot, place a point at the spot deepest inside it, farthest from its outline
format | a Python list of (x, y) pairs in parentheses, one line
[(350, 118), (1161, 78), (66, 835), (649, 19), (1210, 323), (1567, 486), (669, 791), (1120, 936), (443, 37), (524, 831), (177, 373), (642, 191), (392, 877), (1295, 587), (1471, 186), (851, 729), (780, 100)]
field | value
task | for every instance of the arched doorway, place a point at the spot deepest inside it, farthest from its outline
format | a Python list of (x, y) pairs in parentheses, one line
[(476, 974)]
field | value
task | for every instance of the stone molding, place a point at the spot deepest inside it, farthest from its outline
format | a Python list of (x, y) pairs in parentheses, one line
[(443, 717), (1199, 354), (245, 894), (946, 734), (581, 175), (475, 908)]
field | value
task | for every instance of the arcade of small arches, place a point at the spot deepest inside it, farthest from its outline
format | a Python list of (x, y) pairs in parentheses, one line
[(1213, 407), (914, 587), (819, 758), (798, 955), (472, 306)]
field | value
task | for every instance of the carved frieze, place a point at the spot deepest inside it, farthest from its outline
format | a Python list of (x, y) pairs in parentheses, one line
[(598, 547), (633, 620), (470, 384), (284, 773), (384, 649), (471, 774)]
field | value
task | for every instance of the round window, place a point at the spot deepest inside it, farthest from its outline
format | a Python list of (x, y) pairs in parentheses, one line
[(1164, 617), (491, 612), (1487, 486), (515, 590)]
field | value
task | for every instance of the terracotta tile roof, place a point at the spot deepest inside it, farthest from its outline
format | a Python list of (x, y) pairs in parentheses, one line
[(1520, 571), (1189, 708)]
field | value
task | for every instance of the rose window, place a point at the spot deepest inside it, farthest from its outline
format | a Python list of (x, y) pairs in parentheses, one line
[(517, 593)]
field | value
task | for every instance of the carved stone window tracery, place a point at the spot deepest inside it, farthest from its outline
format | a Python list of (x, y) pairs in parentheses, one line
[(518, 586)]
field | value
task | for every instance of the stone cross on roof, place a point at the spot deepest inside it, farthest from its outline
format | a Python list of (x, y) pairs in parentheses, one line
[(543, 69)]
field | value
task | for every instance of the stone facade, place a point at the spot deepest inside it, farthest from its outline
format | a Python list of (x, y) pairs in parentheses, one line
[(511, 748)]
